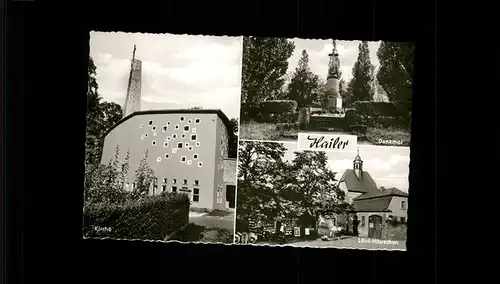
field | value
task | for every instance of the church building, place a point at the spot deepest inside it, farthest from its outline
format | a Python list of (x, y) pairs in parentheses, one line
[(187, 149), (373, 206)]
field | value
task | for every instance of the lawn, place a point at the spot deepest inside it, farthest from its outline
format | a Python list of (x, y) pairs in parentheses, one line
[(196, 233), (263, 131)]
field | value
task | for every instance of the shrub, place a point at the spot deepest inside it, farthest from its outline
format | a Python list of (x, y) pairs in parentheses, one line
[(278, 106), (282, 127), (195, 233), (359, 129), (150, 217), (381, 108)]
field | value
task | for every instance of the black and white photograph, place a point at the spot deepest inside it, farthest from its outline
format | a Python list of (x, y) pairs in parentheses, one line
[(161, 137), (318, 199), (292, 86)]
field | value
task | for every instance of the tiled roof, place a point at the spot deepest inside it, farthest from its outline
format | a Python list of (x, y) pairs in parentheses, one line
[(380, 204), (365, 184), (380, 193)]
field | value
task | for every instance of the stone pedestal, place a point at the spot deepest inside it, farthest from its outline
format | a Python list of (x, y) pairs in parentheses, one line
[(304, 118)]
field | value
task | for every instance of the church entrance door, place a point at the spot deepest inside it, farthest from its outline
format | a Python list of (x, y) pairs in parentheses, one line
[(375, 226)]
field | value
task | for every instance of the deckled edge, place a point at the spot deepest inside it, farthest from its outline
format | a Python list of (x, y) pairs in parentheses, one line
[(250, 245)]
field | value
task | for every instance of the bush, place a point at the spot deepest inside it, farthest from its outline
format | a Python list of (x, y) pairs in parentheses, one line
[(278, 111), (283, 127), (150, 217), (195, 233), (381, 109), (359, 129), (278, 106)]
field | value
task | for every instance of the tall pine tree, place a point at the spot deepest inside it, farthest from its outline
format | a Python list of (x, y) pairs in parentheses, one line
[(265, 63), (304, 85), (360, 86), (395, 74)]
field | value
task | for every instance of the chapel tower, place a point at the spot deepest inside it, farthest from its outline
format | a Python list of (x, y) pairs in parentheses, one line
[(334, 99), (358, 166), (133, 100)]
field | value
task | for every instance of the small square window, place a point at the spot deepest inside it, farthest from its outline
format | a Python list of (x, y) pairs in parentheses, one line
[(190, 148), (154, 128), (196, 191), (174, 150), (185, 182), (186, 144), (167, 156), (165, 144), (189, 162), (196, 198), (189, 121), (150, 122), (177, 127), (141, 126), (153, 142), (174, 181), (155, 133), (158, 160), (183, 136), (181, 118), (195, 157), (164, 128), (196, 182), (193, 137), (164, 180), (200, 164), (168, 138), (183, 159), (164, 188), (197, 144), (146, 135), (168, 123), (174, 188), (193, 130), (179, 145), (174, 136), (197, 120), (186, 128)]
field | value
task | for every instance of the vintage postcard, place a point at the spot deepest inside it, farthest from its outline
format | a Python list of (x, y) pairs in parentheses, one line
[(161, 140), (294, 87), (320, 199)]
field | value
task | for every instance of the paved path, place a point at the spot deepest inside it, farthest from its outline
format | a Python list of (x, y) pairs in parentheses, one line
[(352, 242), (225, 222)]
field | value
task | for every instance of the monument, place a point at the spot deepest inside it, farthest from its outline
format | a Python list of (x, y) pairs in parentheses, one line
[(334, 99), (133, 100)]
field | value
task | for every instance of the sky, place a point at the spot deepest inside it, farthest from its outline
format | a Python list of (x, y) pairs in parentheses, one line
[(387, 165), (318, 51), (178, 71)]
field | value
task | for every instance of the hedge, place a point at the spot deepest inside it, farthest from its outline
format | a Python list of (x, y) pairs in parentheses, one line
[(382, 108), (278, 106), (151, 217)]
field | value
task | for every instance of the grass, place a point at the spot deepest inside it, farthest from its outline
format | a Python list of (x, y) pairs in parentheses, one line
[(219, 213), (374, 135), (196, 233), (263, 131)]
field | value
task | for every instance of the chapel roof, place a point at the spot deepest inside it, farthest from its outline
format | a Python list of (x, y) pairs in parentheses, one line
[(364, 184), (380, 204), (382, 193)]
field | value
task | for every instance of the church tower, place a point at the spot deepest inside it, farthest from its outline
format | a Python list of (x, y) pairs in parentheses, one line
[(358, 166), (133, 100), (334, 99)]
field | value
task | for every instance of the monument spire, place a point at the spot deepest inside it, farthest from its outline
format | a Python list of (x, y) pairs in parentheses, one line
[(334, 64), (334, 99), (133, 100)]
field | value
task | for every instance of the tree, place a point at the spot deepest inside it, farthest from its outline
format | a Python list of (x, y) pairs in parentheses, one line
[(360, 86), (265, 63), (314, 191), (144, 176), (304, 85), (101, 116), (260, 167), (233, 139), (395, 74)]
